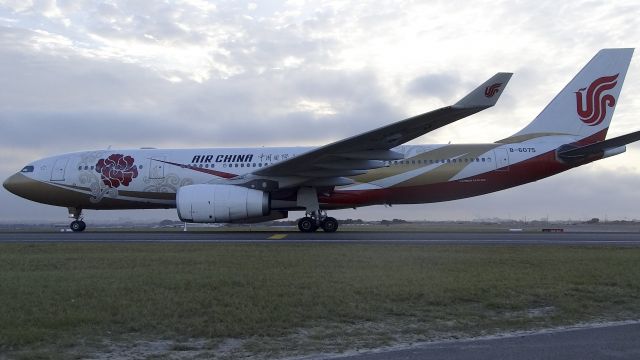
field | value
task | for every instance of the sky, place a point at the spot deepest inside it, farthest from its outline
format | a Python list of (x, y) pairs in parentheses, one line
[(83, 75)]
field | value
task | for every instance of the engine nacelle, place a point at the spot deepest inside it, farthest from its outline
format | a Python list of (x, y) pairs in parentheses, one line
[(207, 203)]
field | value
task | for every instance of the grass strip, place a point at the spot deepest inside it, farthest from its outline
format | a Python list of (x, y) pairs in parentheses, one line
[(338, 296)]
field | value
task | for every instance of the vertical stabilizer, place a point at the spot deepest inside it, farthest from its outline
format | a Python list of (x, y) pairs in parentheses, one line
[(585, 106)]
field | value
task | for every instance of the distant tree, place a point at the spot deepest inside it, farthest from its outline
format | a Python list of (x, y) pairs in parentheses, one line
[(352, 221), (393, 222), (592, 221)]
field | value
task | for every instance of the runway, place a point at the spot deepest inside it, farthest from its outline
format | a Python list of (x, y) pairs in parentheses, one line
[(385, 238), (615, 341)]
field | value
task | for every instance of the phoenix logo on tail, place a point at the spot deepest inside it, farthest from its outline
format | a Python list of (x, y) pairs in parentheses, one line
[(596, 102), (492, 90)]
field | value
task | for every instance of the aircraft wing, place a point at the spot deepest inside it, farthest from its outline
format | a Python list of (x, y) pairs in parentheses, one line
[(357, 154)]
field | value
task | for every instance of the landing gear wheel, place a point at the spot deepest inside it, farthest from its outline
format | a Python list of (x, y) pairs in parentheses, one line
[(329, 225), (78, 226), (307, 224)]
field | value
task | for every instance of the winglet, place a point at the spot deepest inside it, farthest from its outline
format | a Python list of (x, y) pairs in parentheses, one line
[(487, 94)]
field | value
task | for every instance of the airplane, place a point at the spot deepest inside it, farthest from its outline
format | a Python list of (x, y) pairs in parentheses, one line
[(247, 185)]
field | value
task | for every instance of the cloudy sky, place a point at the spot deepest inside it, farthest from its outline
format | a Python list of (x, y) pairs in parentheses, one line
[(82, 75)]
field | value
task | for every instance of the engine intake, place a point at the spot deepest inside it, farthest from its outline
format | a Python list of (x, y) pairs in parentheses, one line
[(207, 203)]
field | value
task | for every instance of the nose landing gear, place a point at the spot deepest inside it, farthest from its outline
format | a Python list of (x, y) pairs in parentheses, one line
[(76, 225)]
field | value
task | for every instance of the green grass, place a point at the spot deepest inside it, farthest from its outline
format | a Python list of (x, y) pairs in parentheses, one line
[(302, 297)]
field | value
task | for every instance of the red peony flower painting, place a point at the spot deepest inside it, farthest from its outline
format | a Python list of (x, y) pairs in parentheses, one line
[(117, 169)]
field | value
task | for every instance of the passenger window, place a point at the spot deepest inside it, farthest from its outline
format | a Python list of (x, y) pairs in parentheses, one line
[(140, 167), (27, 169), (86, 167), (482, 159), (79, 167)]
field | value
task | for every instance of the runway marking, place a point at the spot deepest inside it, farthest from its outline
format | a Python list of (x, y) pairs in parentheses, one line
[(277, 236)]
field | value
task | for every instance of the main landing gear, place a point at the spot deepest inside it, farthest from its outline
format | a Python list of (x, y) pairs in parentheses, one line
[(314, 220), (76, 225)]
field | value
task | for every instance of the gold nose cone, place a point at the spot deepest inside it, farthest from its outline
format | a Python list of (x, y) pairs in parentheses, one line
[(17, 184)]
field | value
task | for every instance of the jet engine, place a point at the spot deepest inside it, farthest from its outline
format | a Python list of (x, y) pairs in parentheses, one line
[(207, 203)]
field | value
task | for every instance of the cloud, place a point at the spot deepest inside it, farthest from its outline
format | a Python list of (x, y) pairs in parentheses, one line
[(442, 86)]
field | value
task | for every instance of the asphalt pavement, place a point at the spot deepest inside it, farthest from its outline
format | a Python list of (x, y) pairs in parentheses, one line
[(617, 341), (276, 237)]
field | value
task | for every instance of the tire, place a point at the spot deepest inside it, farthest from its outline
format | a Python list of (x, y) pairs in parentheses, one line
[(77, 226), (83, 225), (307, 225), (329, 225)]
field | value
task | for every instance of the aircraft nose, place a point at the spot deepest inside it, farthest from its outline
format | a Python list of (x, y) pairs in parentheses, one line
[(17, 184)]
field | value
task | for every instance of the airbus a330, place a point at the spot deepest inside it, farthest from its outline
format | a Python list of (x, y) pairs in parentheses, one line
[(224, 185)]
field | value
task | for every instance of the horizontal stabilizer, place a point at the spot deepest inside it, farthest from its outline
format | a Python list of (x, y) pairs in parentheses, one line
[(487, 94), (576, 153)]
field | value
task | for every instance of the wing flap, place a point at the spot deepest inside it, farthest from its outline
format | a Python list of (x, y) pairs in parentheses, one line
[(341, 163), (387, 155)]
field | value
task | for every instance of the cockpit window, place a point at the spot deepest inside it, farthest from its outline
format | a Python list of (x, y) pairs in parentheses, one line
[(27, 169)]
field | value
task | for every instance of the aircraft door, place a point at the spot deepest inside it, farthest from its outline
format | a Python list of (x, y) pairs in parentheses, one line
[(156, 167), (57, 173), (502, 159)]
